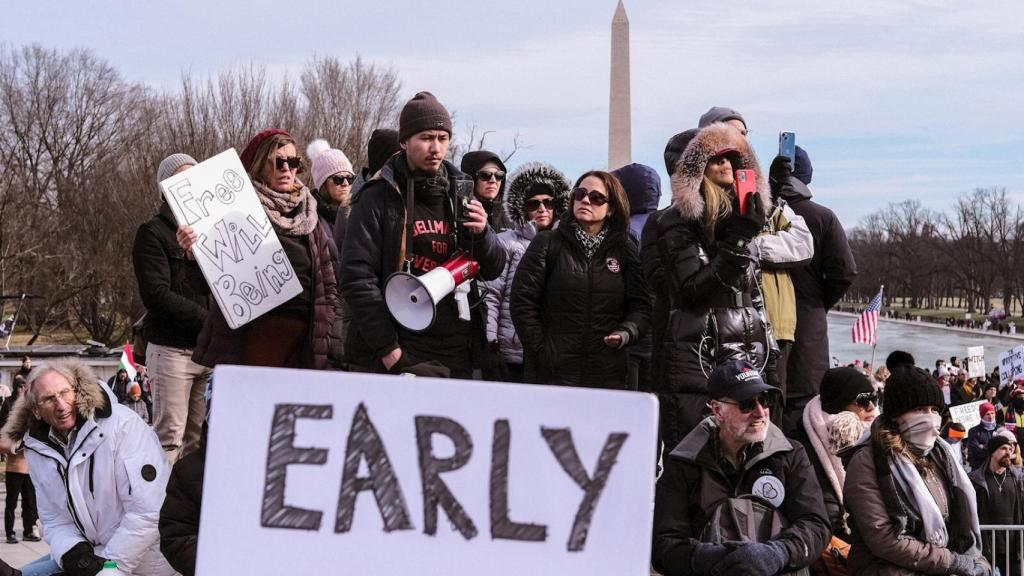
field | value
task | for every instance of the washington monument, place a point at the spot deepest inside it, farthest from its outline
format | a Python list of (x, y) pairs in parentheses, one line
[(619, 129)]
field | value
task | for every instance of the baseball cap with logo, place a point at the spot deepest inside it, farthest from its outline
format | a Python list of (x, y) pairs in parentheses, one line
[(736, 379)]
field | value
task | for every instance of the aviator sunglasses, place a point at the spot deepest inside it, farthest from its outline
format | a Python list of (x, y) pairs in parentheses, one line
[(747, 406), (534, 204), (293, 162), (595, 197), (342, 180), (484, 175)]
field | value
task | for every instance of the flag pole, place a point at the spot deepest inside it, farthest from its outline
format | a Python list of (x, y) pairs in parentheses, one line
[(881, 290), (7, 344)]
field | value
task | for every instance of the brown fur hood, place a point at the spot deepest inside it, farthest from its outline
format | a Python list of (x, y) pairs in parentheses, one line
[(89, 397), (689, 171)]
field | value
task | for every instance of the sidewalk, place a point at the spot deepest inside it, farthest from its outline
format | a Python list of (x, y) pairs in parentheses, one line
[(22, 553), (967, 331)]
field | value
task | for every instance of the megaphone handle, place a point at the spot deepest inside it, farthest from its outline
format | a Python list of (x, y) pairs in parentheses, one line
[(462, 300)]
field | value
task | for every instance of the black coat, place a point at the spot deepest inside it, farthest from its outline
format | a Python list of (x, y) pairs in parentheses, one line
[(372, 251), (172, 287), (819, 285), (563, 306), (179, 515), (694, 484)]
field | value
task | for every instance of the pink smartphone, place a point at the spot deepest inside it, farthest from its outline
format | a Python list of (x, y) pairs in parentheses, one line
[(746, 187)]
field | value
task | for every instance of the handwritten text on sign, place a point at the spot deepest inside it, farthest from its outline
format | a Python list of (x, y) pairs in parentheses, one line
[(975, 361), (1011, 365), (375, 474), (238, 252)]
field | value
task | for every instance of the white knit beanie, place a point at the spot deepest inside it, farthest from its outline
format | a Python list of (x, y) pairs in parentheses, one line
[(325, 161)]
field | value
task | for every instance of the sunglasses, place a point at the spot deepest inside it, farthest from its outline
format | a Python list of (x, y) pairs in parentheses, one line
[(595, 197), (747, 406), (534, 204), (293, 162), (865, 398), (342, 180), (484, 175)]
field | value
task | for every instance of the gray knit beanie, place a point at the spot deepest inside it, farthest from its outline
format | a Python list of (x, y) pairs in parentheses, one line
[(171, 163)]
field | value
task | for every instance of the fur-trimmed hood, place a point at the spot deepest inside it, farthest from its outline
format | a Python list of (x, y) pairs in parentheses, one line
[(689, 171), (90, 401), (529, 175)]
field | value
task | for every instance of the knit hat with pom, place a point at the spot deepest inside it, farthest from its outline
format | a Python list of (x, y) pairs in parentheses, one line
[(325, 161)]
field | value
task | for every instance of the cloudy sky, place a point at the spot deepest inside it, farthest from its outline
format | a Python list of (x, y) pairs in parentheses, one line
[(892, 99)]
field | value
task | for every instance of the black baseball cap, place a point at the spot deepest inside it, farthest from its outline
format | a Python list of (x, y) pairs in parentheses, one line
[(738, 380)]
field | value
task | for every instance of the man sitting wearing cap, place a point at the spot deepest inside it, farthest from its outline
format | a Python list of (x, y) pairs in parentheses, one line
[(978, 437), (737, 452), (999, 488), (405, 218)]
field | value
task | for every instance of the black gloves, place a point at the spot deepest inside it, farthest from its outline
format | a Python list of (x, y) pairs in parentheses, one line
[(755, 559), (779, 173), (740, 228), (81, 560), (706, 556)]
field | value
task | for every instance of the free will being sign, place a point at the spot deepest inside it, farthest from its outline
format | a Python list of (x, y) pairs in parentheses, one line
[(372, 474)]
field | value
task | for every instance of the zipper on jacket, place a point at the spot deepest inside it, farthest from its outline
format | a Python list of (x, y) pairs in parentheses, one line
[(66, 479), (92, 461)]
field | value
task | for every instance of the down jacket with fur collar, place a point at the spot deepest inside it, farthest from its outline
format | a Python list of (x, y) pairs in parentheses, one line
[(716, 311), (108, 491), (515, 242)]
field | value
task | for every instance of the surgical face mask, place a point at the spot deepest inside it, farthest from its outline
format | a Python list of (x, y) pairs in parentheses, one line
[(920, 431)]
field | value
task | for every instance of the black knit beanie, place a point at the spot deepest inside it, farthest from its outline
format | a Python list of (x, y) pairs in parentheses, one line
[(994, 443), (840, 387), (898, 358), (383, 144), (421, 113), (910, 387)]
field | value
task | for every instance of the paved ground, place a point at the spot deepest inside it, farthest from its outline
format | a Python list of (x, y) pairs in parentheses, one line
[(22, 553)]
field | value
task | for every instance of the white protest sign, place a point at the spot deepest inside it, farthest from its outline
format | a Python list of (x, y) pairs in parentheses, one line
[(1011, 365), (310, 472), (238, 251), (966, 414), (975, 361)]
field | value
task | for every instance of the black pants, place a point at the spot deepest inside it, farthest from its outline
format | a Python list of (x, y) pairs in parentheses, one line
[(20, 484)]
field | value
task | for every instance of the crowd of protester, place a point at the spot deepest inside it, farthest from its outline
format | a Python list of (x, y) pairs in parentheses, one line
[(717, 307)]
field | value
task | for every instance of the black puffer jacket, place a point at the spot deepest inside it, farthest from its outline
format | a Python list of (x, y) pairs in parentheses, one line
[(563, 306), (172, 287), (373, 251), (716, 311), (179, 516)]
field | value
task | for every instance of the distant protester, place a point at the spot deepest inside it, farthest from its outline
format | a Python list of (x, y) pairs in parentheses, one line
[(488, 173)]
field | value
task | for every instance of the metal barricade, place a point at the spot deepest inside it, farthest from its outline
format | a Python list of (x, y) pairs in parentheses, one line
[(1003, 546)]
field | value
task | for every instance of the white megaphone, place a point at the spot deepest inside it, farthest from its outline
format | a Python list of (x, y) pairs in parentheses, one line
[(412, 300)]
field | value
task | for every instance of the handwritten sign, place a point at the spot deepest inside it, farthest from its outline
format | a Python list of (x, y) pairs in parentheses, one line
[(1011, 365), (238, 251), (966, 414), (376, 474), (976, 361)]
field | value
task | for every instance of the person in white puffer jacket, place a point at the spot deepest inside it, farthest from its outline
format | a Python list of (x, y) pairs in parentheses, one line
[(537, 196), (99, 472)]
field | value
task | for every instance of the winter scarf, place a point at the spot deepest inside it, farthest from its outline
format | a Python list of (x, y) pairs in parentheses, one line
[(589, 243), (909, 479), (816, 424), (293, 214)]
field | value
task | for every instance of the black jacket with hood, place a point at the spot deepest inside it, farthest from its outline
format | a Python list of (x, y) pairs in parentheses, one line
[(694, 484), (373, 250), (496, 216), (819, 285), (715, 306), (563, 305)]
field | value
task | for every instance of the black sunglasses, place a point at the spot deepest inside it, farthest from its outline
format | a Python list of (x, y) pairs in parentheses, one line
[(484, 175), (865, 398), (293, 162), (534, 204), (747, 406), (342, 180), (595, 197)]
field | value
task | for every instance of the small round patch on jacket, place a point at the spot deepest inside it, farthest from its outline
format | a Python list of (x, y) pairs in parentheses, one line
[(612, 264), (149, 473), (771, 489)]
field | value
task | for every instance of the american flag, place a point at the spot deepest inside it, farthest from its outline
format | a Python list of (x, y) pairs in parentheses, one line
[(866, 325)]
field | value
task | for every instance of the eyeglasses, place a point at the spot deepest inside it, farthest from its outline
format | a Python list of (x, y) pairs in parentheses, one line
[(293, 162), (595, 197), (484, 175), (534, 204), (865, 398), (342, 180), (747, 406), (67, 395)]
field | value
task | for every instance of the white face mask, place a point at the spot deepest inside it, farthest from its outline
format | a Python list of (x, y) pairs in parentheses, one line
[(921, 431)]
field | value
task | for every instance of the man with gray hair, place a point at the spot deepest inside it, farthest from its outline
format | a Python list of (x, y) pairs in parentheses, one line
[(99, 472), (176, 297)]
